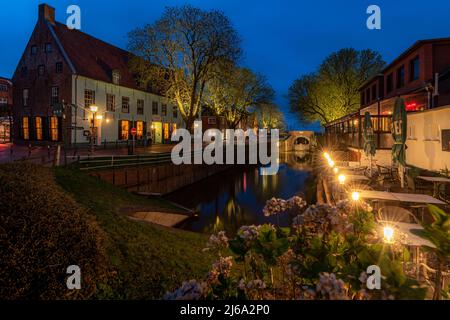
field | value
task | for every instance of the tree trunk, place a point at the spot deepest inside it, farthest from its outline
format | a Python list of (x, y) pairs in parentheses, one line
[(327, 191), (320, 199), (438, 282)]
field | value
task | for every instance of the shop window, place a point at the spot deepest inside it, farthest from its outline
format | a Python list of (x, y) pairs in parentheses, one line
[(25, 128), (54, 129), (38, 128)]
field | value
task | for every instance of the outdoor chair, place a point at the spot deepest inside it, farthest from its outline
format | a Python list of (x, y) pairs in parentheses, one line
[(417, 186), (396, 214)]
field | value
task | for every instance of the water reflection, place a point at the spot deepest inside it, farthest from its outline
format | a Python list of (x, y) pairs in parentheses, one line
[(236, 197)]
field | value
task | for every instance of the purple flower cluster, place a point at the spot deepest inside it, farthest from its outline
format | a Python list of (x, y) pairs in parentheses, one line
[(275, 206)]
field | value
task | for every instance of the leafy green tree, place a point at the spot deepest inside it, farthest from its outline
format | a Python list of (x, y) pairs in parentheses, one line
[(233, 91), (175, 55), (333, 91), (270, 116), (438, 233)]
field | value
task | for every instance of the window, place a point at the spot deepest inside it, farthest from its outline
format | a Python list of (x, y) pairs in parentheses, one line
[(363, 97), (116, 77), (124, 129), (125, 105), (164, 110), (368, 95), (25, 97), (415, 69), (110, 102), (154, 107), (38, 127), (41, 70), (59, 67), (54, 128), (175, 112), (48, 47), (212, 120), (3, 87), (140, 106), (166, 131), (174, 128), (389, 83), (401, 77), (385, 124), (3, 101), (34, 50), (54, 96), (89, 100), (139, 129), (23, 71), (374, 92), (25, 128)]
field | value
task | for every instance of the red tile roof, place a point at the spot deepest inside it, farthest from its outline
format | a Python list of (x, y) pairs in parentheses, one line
[(95, 58)]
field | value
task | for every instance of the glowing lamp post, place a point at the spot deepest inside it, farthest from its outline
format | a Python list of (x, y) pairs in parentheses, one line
[(355, 196), (94, 110), (341, 179), (388, 233)]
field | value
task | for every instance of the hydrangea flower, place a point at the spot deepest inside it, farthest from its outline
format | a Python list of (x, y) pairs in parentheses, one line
[(218, 242), (331, 287), (190, 290)]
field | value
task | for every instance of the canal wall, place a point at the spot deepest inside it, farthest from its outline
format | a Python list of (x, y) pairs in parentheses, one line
[(157, 179)]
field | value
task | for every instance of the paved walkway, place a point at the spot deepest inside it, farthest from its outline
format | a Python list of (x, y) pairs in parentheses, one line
[(44, 155)]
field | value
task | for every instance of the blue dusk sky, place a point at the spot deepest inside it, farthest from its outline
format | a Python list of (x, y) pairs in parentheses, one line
[(282, 39)]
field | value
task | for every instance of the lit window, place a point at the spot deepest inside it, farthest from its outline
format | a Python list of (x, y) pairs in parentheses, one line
[(125, 105), (166, 131), (54, 128), (25, 128), (124, 130), (110, 102), (174, 128), (38, 127), (139, 129), (89, 100)]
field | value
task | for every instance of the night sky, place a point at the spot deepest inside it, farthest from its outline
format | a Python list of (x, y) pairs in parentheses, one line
[(281, 39)]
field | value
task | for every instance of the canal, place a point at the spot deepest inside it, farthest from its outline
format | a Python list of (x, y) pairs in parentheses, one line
[(236, 197)]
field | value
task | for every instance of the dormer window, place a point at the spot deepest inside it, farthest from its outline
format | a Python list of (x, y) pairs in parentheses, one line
[(116, 77)]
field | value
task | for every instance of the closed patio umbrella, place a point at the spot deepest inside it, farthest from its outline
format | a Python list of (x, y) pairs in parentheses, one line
[(369, 139), (398, 129)]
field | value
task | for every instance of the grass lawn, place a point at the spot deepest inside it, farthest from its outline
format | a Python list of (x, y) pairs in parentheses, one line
[(147, 259)]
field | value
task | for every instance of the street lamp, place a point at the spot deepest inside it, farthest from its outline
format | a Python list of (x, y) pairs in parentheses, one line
[(341, 179), (355, 196), (336, 170), (388, 233), (94, 110)]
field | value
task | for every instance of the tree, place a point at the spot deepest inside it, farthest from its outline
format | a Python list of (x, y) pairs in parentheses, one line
[(270, 117), (175, 55), (333, 91), (438, 233), (233, 90)]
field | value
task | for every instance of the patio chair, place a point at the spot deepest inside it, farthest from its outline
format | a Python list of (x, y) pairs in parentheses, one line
[(417, 186), (396, 214)]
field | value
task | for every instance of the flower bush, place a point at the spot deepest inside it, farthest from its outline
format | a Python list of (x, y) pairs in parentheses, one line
[(323, 255)]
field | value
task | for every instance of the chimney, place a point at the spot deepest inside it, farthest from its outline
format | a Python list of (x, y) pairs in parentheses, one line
[(46, 13)]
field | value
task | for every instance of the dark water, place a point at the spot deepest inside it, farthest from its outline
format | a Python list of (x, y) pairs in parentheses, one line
[(237, 197)]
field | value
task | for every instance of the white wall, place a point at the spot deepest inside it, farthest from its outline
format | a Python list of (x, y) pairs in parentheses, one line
[(109, 129), (424, 139)]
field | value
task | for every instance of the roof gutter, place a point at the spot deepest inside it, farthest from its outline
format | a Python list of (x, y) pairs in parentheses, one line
[(61, 48)]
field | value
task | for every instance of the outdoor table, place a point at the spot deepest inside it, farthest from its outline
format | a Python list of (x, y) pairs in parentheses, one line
[(402, 197), (436, 182), (353, 177)]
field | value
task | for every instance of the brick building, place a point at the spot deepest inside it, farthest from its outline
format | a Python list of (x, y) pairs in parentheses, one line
[(420, 75), (6, 102), (63, 72)]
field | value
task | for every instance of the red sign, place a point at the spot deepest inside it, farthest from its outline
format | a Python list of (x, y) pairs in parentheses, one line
[(133, 131)]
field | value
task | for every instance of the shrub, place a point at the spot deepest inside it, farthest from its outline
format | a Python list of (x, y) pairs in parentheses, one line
[(42, 232)]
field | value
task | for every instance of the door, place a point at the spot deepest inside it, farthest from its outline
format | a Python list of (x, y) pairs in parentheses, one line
[(158, 132)]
